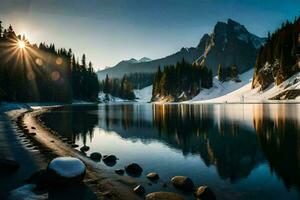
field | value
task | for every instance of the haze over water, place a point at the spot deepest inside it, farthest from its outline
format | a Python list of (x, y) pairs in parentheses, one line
[(241, 151)]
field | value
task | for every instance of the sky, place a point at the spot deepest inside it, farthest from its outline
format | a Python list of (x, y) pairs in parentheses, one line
[(109, 31)]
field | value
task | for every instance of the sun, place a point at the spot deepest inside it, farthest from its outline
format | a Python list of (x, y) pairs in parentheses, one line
[(21, 44)]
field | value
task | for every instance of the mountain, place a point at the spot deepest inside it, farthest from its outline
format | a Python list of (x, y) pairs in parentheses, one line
[(230, 43), (144, 59)]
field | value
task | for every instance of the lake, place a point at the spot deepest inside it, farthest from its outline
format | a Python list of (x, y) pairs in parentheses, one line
[(249, 151)]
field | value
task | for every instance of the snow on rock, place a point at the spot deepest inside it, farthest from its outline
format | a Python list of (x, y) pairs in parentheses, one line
[(144, 95), (26, 192), (67, 166), (66, 170)]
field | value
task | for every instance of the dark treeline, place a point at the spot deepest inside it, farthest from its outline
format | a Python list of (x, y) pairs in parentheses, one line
[(121, 88), (140, 80), (228, 73), (280, 51), (42, 73), (183, 77)]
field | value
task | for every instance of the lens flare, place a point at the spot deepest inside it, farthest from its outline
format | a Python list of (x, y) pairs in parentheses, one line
[(21, 44)]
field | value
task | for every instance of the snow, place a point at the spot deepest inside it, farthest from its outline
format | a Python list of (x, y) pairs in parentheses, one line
[(67, 166), (145, 59), (25, 192), (103, 97), (230, 92), (220, 89), (144, 95)]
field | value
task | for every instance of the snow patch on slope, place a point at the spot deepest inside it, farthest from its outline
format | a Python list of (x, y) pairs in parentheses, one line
[(144, 95), (220, 89), (230, 92)]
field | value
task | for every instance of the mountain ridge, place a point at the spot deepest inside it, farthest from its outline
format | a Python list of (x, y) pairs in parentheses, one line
[(209, 48)]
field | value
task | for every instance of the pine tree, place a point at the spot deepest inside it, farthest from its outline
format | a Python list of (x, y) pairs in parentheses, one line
[(220, 73)]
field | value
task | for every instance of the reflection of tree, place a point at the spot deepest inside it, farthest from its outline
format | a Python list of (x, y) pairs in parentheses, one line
[(72, 122), (232, 149), (279, 139)]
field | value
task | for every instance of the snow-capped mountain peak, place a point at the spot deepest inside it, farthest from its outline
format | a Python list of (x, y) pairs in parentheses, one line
[(145, 59)]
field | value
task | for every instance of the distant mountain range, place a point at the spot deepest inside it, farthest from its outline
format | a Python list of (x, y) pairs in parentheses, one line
[(230, 43)]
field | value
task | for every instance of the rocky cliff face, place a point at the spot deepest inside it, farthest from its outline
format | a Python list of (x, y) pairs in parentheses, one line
[(229, 44)]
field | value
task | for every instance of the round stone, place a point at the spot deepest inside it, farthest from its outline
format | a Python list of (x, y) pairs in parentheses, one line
[(153, 176), (204, 193), (96, 156), (164, 196), (182, 182), (66, 170), (133, 169), (140, 190)]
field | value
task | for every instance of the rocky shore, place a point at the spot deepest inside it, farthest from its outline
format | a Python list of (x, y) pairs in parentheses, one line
[(56, 154)]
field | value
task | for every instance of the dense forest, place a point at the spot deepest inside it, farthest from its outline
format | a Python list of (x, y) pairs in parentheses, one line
[(277, 59), (42, 73), (140, 80), (183, 79), (121, 88)]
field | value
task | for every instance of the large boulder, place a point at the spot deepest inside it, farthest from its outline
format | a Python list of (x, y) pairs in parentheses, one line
[(66, 171), (204, 193), (9, 165), (133, 169), (183, 183), (164, 196)]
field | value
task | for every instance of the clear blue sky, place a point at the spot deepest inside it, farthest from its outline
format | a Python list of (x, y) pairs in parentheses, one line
[(109, 31)]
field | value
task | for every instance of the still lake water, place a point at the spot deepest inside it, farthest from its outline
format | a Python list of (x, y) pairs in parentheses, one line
[(241, 151)]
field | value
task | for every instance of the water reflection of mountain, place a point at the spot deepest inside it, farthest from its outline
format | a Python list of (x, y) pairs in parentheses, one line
[(234, 139)]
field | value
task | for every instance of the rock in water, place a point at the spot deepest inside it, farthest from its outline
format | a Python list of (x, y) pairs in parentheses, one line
[(182, 182), (153, 176), (9, 165), (204, 193), (66, 171), (109, 160), (164, 196), (140, 190), (84, 148), (133, 169), (96, 156), (119, 171)]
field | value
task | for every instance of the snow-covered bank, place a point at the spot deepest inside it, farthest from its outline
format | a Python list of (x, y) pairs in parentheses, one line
[(103, 97), (230, 92), (144, 95), (220, 89)]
